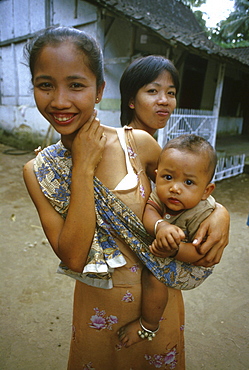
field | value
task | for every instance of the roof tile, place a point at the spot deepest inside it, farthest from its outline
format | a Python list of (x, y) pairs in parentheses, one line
[(172, 20)]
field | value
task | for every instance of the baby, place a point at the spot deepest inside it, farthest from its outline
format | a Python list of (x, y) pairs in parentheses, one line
[(179, 203)]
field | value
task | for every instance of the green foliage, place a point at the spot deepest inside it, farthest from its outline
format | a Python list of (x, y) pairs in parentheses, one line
[(199, 16), (193, 3), (231, 32), (234, 31), (198, 13)]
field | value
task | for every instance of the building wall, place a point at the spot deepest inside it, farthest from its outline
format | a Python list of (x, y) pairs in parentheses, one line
[(21, 19), (210, 81), (230, 126), (17, 106)]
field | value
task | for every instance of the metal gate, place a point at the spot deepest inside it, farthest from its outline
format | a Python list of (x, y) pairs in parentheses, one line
[(202, 123)]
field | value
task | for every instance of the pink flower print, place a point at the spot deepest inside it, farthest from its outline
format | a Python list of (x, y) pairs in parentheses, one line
[(156, 360), (118, 347), (165, 361), (110, 320), (98, 312), (142, 191), (134, 268), (128, 297), (170, 358), (98, 322), (131, 153), (113, 319), (88, 366)]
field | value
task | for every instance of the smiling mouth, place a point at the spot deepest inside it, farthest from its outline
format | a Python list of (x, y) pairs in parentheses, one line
[(63, 119)]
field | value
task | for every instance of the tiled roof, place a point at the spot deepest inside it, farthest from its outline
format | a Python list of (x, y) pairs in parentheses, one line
[(241, 53), (173, 21)]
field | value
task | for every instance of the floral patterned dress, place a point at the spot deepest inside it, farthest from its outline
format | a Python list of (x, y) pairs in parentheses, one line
[(99, 313)]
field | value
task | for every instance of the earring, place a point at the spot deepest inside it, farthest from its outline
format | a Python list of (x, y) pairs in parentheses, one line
[(97, 100), (131, 106)]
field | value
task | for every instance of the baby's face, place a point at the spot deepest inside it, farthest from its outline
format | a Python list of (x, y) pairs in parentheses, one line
[(182, 179)]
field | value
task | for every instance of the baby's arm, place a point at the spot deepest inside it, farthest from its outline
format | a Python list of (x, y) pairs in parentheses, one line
[(168, 236), (186, 252)]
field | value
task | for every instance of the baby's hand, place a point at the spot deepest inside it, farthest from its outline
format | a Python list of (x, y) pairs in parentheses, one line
[(158, 252), (168, 238)]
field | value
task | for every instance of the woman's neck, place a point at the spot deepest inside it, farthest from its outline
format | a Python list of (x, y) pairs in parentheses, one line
[(67, 140)]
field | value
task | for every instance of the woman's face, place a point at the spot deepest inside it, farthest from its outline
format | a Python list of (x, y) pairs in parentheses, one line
[(64, 87), (154, 103)]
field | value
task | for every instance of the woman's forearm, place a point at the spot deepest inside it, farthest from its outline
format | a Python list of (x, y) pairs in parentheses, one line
[(78, 230)]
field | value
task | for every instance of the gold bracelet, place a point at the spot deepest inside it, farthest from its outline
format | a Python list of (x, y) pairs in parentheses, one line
[(156, 224)]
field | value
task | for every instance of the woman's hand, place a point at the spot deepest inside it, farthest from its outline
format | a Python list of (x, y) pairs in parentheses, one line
[(89, 143), (76, 235), (216, 231)]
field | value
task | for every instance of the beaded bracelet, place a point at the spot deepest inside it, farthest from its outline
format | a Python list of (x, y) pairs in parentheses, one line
[(146, 333)]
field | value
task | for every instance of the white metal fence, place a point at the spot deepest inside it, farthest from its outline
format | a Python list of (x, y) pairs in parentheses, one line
[(229, 166), (202, 123)]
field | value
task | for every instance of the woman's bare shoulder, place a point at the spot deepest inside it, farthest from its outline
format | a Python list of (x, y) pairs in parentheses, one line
[(109, 129), (148, 151), (144, 139), (28, 167), (29, 176)]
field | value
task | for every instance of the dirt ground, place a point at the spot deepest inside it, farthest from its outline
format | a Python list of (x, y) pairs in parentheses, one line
[(36, 303)]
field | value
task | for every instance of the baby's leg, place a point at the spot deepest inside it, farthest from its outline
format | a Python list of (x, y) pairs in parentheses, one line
[(154, 301)]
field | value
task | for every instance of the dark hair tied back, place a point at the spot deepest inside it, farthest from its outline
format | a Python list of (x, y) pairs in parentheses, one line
[(54, 36)]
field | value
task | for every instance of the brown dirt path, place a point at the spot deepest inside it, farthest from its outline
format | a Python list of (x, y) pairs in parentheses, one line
[(36, 303)]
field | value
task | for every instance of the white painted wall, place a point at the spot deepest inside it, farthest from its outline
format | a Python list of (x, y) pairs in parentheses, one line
[(19, 18)]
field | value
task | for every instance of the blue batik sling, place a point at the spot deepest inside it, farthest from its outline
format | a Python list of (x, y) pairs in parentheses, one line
[(113, 218)]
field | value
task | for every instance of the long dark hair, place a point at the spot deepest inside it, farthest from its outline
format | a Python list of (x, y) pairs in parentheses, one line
[(140, 72)]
